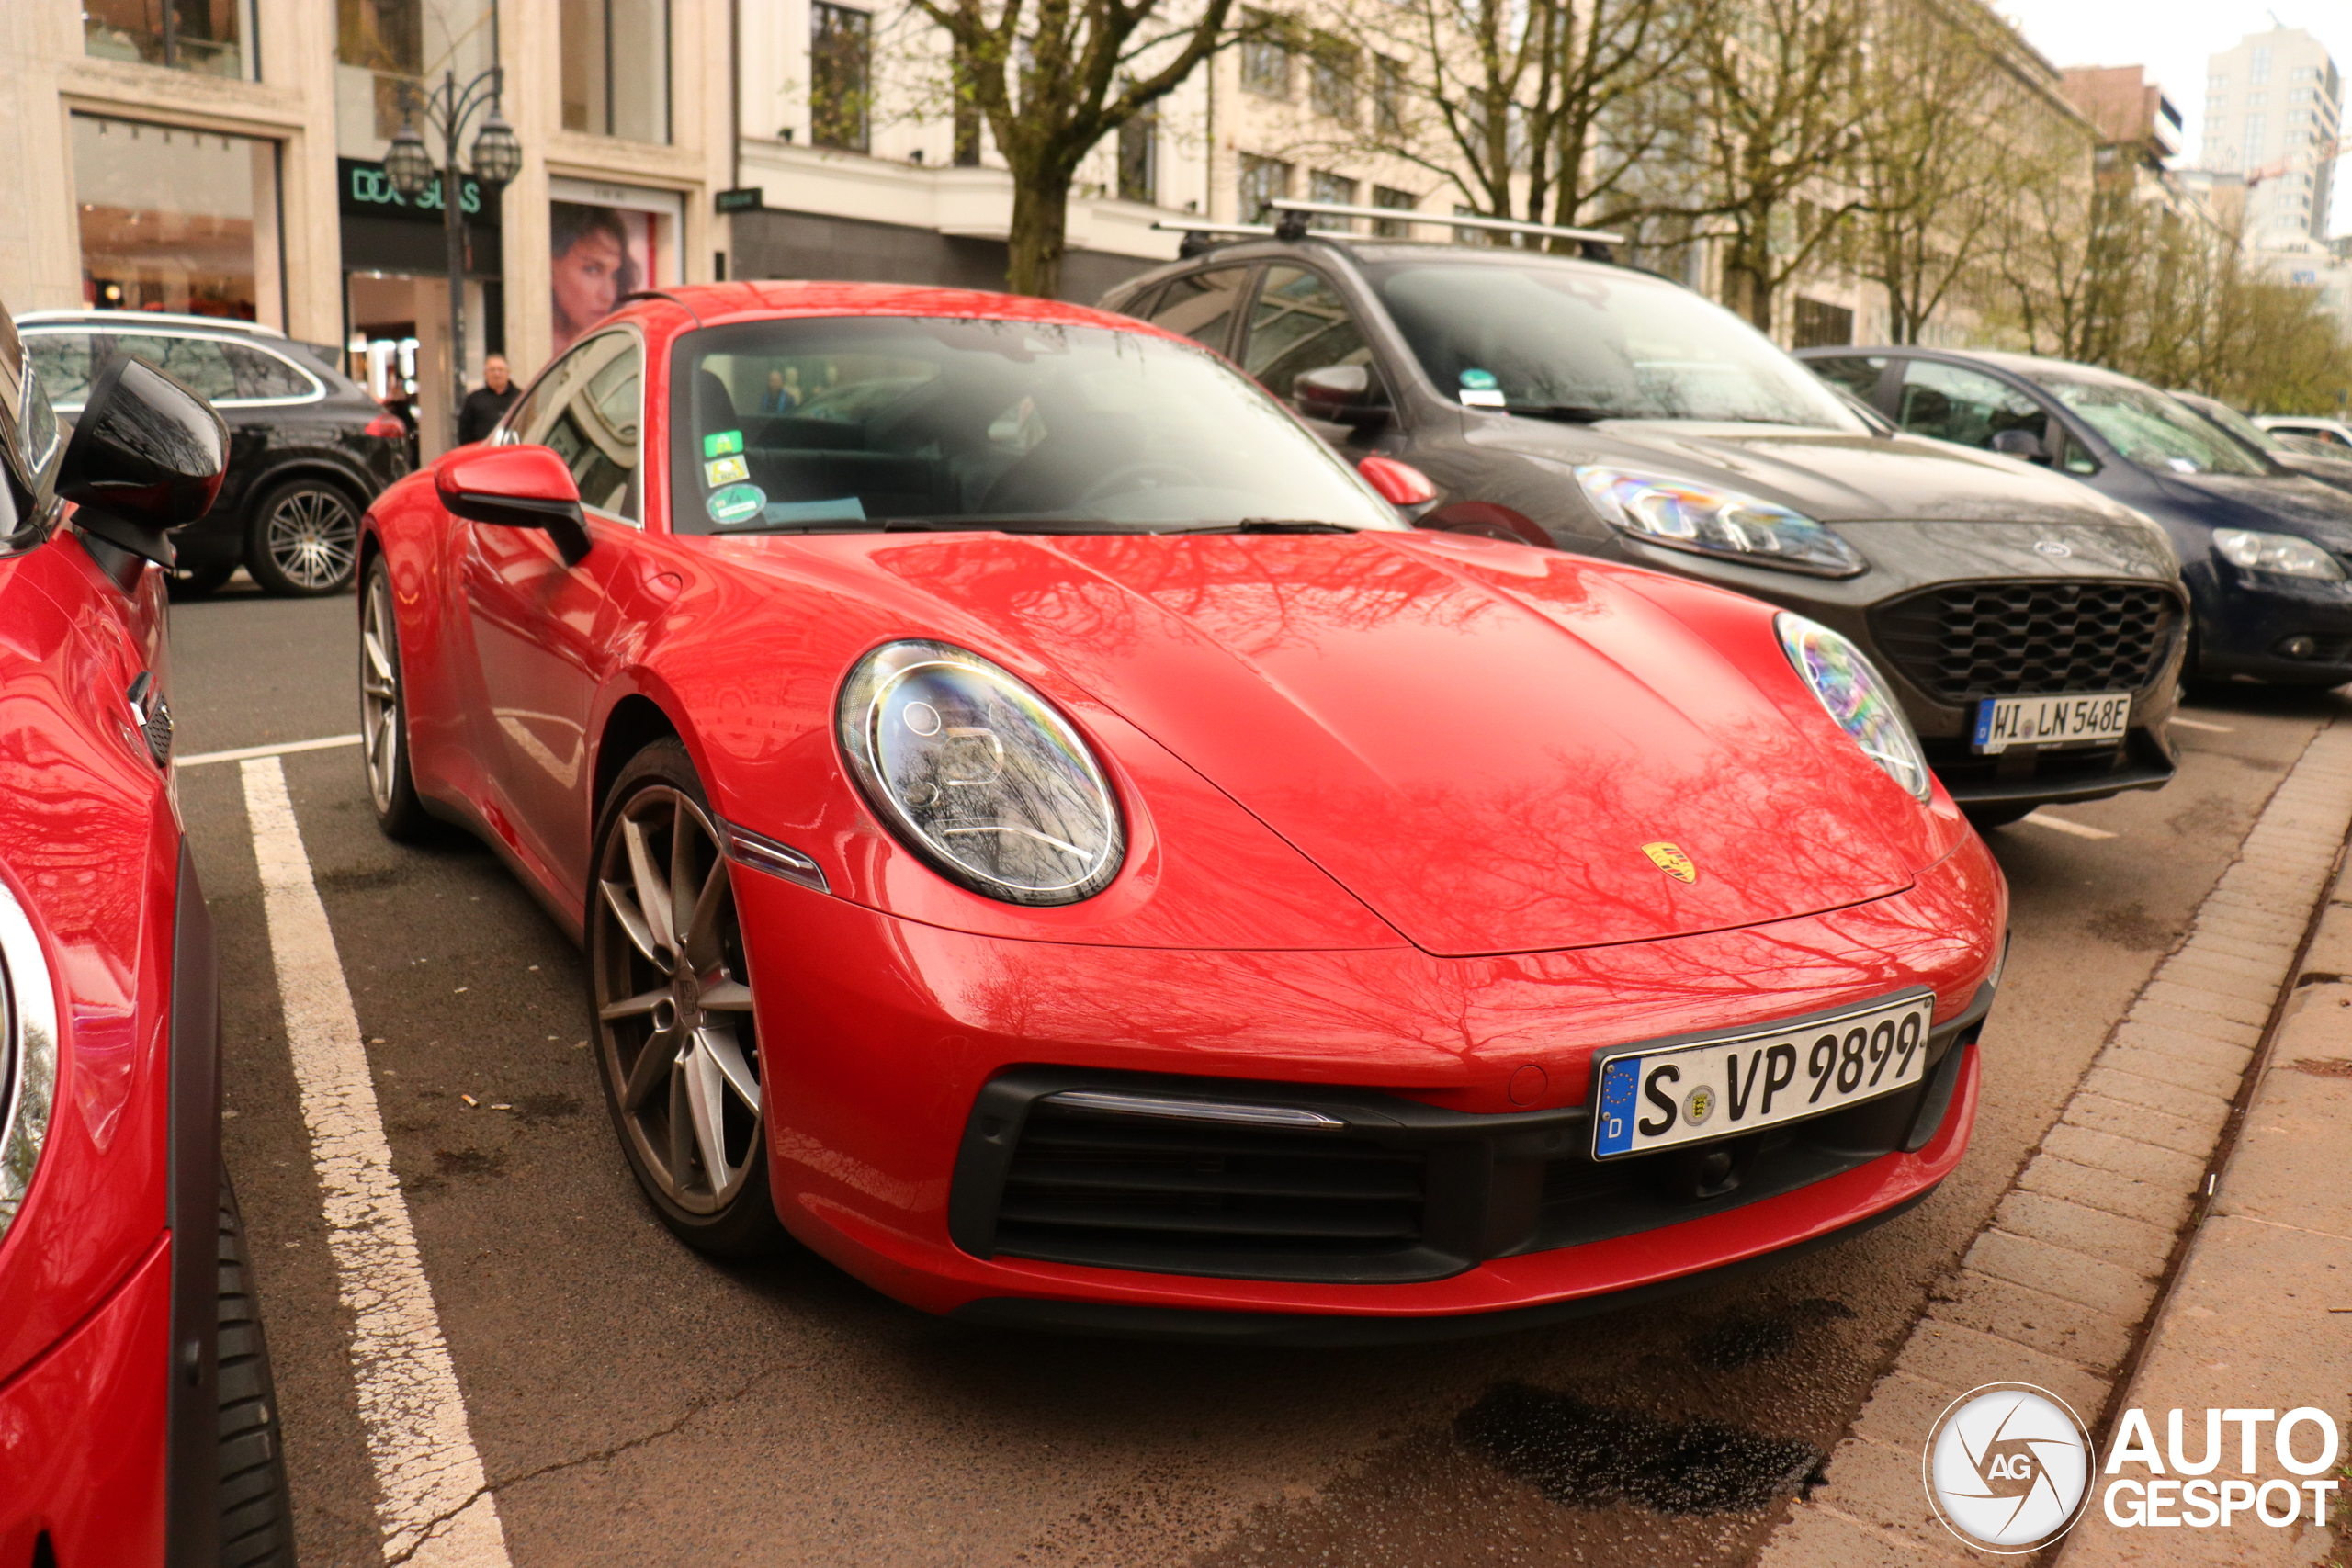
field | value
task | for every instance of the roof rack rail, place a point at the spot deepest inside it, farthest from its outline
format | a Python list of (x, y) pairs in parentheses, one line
[(1291, 228), (1200, 237)]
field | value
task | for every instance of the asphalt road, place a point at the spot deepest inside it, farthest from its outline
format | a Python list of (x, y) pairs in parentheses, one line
[(634, 1403)]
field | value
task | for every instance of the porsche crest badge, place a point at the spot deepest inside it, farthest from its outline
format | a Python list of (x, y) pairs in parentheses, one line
[(1669, 858)]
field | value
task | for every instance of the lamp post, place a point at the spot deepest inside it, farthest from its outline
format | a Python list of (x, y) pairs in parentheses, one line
[(497, 158)]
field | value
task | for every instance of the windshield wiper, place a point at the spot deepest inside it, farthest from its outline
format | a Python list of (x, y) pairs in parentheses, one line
[(1263, 526), (1568, 413)]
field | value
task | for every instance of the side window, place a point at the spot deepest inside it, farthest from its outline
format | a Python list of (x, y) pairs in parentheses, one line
[(261, 374), (1146, 301), (201, 364), (1200, 305), (1966, 406), (63, 362), (594, 430), (1298, 323), (2070, 455), (1856, 373)]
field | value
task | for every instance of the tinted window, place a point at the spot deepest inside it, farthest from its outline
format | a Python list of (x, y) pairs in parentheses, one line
[(1557, 339), (1200, 305), (1966, 406), (201, 364), (1298, 323), (922, 421), (63, 363), (1858, 374), (260, 374), (594, 427), (2150, 428)]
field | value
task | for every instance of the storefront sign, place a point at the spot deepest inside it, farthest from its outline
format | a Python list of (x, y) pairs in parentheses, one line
[(363, 191), (744, 198)]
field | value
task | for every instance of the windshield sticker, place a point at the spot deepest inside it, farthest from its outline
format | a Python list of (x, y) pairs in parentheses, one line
[(735, 502), (1473, 399), (1480, 389), (723, 444), (725, 471), (1479, 380), (848, 509)]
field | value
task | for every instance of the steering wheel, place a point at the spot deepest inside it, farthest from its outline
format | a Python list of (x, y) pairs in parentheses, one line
[(1134, 477)]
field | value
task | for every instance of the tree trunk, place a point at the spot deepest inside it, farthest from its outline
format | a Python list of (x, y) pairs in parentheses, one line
[(1040, 223)]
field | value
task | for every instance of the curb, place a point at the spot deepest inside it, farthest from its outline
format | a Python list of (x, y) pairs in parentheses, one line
[(2059, 1288)]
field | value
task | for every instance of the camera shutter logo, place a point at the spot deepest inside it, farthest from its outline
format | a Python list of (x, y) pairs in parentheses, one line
[(2008, 1468)]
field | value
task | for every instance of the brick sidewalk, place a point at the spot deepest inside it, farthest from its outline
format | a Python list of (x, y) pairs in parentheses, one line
[(2055, 1291)]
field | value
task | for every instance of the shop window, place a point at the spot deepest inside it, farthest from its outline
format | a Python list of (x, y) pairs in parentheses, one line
[(178, 220), (617, 68), (211, 38), (840, 77)]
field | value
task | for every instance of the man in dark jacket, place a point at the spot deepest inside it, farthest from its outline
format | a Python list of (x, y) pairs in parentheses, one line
[(486, 404)]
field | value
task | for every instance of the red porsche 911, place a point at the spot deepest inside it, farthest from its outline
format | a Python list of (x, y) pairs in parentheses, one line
[(1048, 835), (137, 1420)]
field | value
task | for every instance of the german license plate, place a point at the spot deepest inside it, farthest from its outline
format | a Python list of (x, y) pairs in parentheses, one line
[(1655, 1099), (2073, 720)]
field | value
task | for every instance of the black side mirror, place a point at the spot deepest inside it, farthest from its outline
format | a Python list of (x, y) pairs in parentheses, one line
[(2020, 443), (1340, 394), (147, 455)]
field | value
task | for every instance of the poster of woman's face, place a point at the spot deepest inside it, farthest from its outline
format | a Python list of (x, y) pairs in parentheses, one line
[(600, 253)]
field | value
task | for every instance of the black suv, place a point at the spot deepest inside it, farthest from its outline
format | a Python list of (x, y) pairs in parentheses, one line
[(308, 448), (2034, 628)]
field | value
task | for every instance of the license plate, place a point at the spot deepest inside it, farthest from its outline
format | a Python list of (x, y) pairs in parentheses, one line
[(2070, 720), (1654, 1098)]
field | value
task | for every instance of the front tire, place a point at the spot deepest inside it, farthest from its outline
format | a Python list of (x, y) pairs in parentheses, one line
[(256, 1514), (669, 1000), (383, 714), (304, 539)]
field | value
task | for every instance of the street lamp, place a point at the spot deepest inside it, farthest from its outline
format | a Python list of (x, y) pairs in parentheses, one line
[(409, 170)]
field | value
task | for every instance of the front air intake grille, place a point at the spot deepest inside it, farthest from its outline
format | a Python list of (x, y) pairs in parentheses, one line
[(1967, 640)]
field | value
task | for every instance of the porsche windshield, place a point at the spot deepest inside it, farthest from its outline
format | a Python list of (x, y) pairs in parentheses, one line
[(869, 421), (1563, 341)]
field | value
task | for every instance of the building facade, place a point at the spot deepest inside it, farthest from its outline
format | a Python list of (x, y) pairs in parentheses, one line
[(2274, 106)]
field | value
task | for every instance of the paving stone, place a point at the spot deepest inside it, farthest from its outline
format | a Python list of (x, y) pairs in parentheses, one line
[(2191, 1137), (2061, 1272), (2069, 1330), (2095, 1233), (2209, 971), (1959, 1359), (2163, 1207), (2189, 1020), (2188, 1104), (1815, 1538), (2126, 1156), (2211, 939), (1881, 1488), (2195, 998), (2184, 1043), (2219, 1078)]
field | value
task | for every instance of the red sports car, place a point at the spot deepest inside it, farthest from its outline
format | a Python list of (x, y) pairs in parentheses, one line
[(137, 1422), (1049, 836)]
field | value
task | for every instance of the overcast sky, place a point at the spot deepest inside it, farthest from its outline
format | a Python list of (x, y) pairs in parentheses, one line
[(2173, 40)]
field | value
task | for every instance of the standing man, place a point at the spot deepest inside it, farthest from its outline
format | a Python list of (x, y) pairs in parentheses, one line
[(488, 403)]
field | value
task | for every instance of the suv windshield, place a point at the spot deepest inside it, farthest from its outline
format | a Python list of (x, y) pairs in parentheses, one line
[(1563, 341), (2151, 429), (2237, 424), (867, 422)]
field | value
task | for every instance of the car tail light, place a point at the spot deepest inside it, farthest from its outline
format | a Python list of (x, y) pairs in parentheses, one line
[(387, 426)]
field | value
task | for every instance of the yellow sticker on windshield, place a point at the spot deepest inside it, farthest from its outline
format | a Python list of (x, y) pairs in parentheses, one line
[(725, 471)]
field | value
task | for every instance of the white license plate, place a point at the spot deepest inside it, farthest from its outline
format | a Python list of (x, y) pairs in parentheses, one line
[(1655, 1099), (2070, 720)]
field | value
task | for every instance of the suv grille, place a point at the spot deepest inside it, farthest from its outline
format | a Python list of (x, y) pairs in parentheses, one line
[(1968, 640)]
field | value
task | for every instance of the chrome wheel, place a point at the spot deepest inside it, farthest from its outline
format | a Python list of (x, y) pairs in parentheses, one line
[(311, 537), (674, 1003), (380, 691)]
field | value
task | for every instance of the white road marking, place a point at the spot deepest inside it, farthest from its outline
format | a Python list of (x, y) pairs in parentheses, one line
[(2043, 820), (247, 753), (434, 1501), (2201, 724)]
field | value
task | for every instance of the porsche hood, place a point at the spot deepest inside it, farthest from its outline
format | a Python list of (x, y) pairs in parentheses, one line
[(1496, 751)]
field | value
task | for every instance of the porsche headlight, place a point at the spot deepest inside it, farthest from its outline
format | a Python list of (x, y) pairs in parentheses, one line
[(979, 775), (2282, 553), (28, 1055), (1684, 516), (1856, 696)]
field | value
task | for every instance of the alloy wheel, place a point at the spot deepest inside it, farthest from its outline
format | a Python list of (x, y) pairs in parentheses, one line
[(380, 691), (674, 1006), (312, 537)]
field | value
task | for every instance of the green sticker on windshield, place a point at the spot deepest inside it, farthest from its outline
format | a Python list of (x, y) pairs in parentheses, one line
[(735, 502), (1478, 380), (721, 445)]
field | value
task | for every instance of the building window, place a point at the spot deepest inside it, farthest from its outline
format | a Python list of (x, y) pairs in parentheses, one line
[(2259, 68), (1331, 76), (384, 39), (840, 77), (1140, 158), (1263, 180), (1338, 191), (1265, 59), (1820, 325), (207, 36), (1388, 97), (178, 220), (617, 68), (1403, 201)]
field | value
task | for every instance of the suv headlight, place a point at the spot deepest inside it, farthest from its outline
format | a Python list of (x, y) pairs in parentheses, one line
[(1682, 514), (2282, 553), (1856, 696), (979, 775), (28, 1055)]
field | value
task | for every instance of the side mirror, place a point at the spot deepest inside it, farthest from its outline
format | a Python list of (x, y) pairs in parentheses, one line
[(147, 455), (1399, 484), (1487, 521), (1340, 394), (2020, 443), (515, 487)]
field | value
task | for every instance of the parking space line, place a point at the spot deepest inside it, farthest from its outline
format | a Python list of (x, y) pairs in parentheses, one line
[(2080, 830), (247, 753), (433, 1502), (2201, 724)]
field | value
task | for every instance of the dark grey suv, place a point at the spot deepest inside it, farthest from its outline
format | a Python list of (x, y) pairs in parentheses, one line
[(2034, 629)]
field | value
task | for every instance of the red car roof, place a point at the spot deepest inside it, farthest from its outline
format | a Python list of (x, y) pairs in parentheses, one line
[(716, 302)]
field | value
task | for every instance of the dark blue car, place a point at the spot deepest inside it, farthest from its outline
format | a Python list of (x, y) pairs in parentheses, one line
[(2262, 551)]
